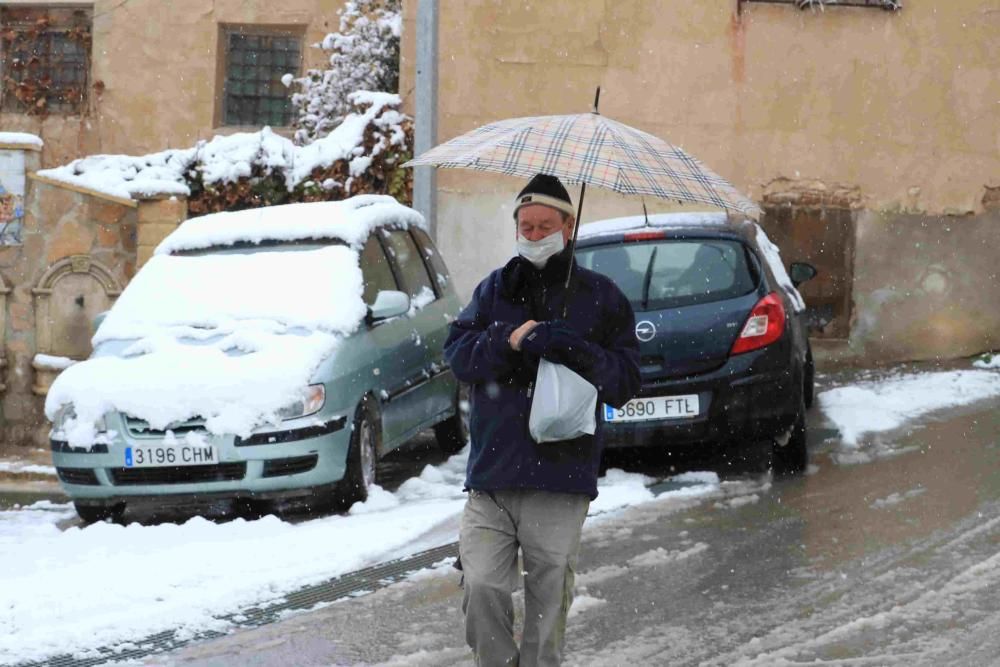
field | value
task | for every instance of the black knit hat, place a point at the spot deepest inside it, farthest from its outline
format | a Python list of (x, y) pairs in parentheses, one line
[(546, 190)]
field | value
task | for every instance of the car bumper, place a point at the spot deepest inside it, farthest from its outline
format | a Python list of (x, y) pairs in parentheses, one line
[(752, 397), (277, 464)]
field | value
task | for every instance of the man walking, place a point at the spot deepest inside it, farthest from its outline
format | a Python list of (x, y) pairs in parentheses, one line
[(521, 493)]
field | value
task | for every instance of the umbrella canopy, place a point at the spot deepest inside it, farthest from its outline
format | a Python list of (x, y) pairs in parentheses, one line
[(589, 149)]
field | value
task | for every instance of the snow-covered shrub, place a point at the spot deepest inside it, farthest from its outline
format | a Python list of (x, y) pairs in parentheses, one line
[(363, 55), (363, 155)]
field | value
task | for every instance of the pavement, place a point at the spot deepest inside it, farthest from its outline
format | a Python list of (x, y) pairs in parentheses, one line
[(887, 561), (887, 558)]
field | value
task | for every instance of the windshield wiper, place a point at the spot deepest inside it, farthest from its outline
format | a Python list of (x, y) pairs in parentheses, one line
[(647, 279)]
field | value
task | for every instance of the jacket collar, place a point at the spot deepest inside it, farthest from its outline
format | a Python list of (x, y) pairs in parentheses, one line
[(519, 273)]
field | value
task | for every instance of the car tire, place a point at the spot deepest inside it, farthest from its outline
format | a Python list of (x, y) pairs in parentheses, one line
[(453, 433), (96, 513), (792, 457), (362, 456), (809, 379)]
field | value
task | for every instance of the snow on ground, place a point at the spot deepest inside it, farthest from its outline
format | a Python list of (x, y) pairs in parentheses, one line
[(20, 467), (861, 409), (105, 584)]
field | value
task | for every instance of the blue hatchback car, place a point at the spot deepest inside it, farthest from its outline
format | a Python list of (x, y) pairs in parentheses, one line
[(725, 355)]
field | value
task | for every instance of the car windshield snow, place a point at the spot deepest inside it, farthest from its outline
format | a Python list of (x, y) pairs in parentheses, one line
[(674, 273), (309, 285)]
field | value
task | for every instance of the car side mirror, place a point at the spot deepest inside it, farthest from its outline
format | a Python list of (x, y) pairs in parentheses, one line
[(388, 303), (800, 272)]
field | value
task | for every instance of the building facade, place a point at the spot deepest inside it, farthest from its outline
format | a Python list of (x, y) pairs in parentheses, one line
[(869, 136)]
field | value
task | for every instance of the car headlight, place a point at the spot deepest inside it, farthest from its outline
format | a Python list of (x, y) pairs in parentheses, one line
[(311, 402), (66, 417)]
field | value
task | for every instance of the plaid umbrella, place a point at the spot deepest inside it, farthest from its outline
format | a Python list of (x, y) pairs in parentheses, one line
[(588, 149)]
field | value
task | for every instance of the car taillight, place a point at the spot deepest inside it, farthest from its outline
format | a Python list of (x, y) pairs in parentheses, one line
[(765, 325)]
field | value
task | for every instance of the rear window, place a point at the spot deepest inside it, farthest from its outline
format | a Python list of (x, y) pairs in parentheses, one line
[(671, 273)]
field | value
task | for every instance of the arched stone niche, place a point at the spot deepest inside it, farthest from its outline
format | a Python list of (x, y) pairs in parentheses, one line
[(68, 297)]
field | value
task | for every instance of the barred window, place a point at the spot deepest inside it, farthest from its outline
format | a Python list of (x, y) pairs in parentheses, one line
[(891, 5), (255, 63), (46, 59)]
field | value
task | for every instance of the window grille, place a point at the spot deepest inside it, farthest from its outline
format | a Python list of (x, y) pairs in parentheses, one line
[(46, 59), (891, 5), (255, 63)]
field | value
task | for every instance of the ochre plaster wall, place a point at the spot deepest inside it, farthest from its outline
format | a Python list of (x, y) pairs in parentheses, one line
[(158, 62), (899, 106)]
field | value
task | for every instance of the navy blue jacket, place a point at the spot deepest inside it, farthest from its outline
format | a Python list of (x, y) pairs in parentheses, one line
[(597, 340)]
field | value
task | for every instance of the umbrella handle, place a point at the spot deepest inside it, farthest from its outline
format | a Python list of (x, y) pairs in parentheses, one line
[(572, 246)]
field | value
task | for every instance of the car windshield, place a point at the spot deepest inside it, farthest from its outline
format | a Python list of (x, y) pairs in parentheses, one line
[(671, 273), (314, 286)]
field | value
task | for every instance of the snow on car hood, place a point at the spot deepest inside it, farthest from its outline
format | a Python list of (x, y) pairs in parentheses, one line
[(231, 338)]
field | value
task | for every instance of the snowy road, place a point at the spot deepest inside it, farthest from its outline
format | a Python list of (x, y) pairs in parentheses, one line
[(884, 554)]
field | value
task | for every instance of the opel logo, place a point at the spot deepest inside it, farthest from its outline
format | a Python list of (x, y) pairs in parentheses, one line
[(645, 331)]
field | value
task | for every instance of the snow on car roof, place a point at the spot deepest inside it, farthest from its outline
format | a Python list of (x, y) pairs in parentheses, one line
[(350, 220), (686, 219)]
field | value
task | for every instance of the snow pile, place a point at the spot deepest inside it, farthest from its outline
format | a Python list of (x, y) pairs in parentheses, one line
[(52, 363), (350, 220), (363, 55), (988, 361), (883, 405), (22, 468), (227, 159), (21, 139)]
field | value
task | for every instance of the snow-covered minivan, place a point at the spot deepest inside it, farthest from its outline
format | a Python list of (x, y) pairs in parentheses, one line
[(262, 356)]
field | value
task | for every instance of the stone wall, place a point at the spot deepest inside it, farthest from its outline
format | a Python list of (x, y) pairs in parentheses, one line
[(79, 251)]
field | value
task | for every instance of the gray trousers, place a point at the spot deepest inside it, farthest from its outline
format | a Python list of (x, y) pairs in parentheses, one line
[(546, 526)]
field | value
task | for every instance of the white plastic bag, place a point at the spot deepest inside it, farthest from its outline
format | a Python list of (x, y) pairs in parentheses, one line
[(563, 405)]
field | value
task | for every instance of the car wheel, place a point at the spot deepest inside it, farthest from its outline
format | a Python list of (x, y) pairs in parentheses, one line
[(362, 455), (792, 457), (453, 433), (809, 379), (99, 512)]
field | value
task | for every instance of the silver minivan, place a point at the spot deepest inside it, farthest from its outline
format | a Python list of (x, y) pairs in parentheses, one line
[(195, 405)]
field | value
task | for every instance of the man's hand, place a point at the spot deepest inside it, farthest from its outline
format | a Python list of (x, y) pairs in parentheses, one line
[(519, 333)]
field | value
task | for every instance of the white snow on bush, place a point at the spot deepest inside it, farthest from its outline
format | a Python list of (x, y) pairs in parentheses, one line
[(875, 406), (104, 584), (226, 159), (21, 139), (350, 220), (988, 361)]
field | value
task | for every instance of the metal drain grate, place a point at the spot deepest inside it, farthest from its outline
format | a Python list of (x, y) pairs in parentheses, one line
[(368, 579)]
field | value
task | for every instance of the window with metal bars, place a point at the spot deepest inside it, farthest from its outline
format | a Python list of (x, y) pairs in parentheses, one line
[(46, 59), (255, 63), (891, 5)]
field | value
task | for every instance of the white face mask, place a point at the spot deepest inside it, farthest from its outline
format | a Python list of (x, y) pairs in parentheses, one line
[(538, 252)]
